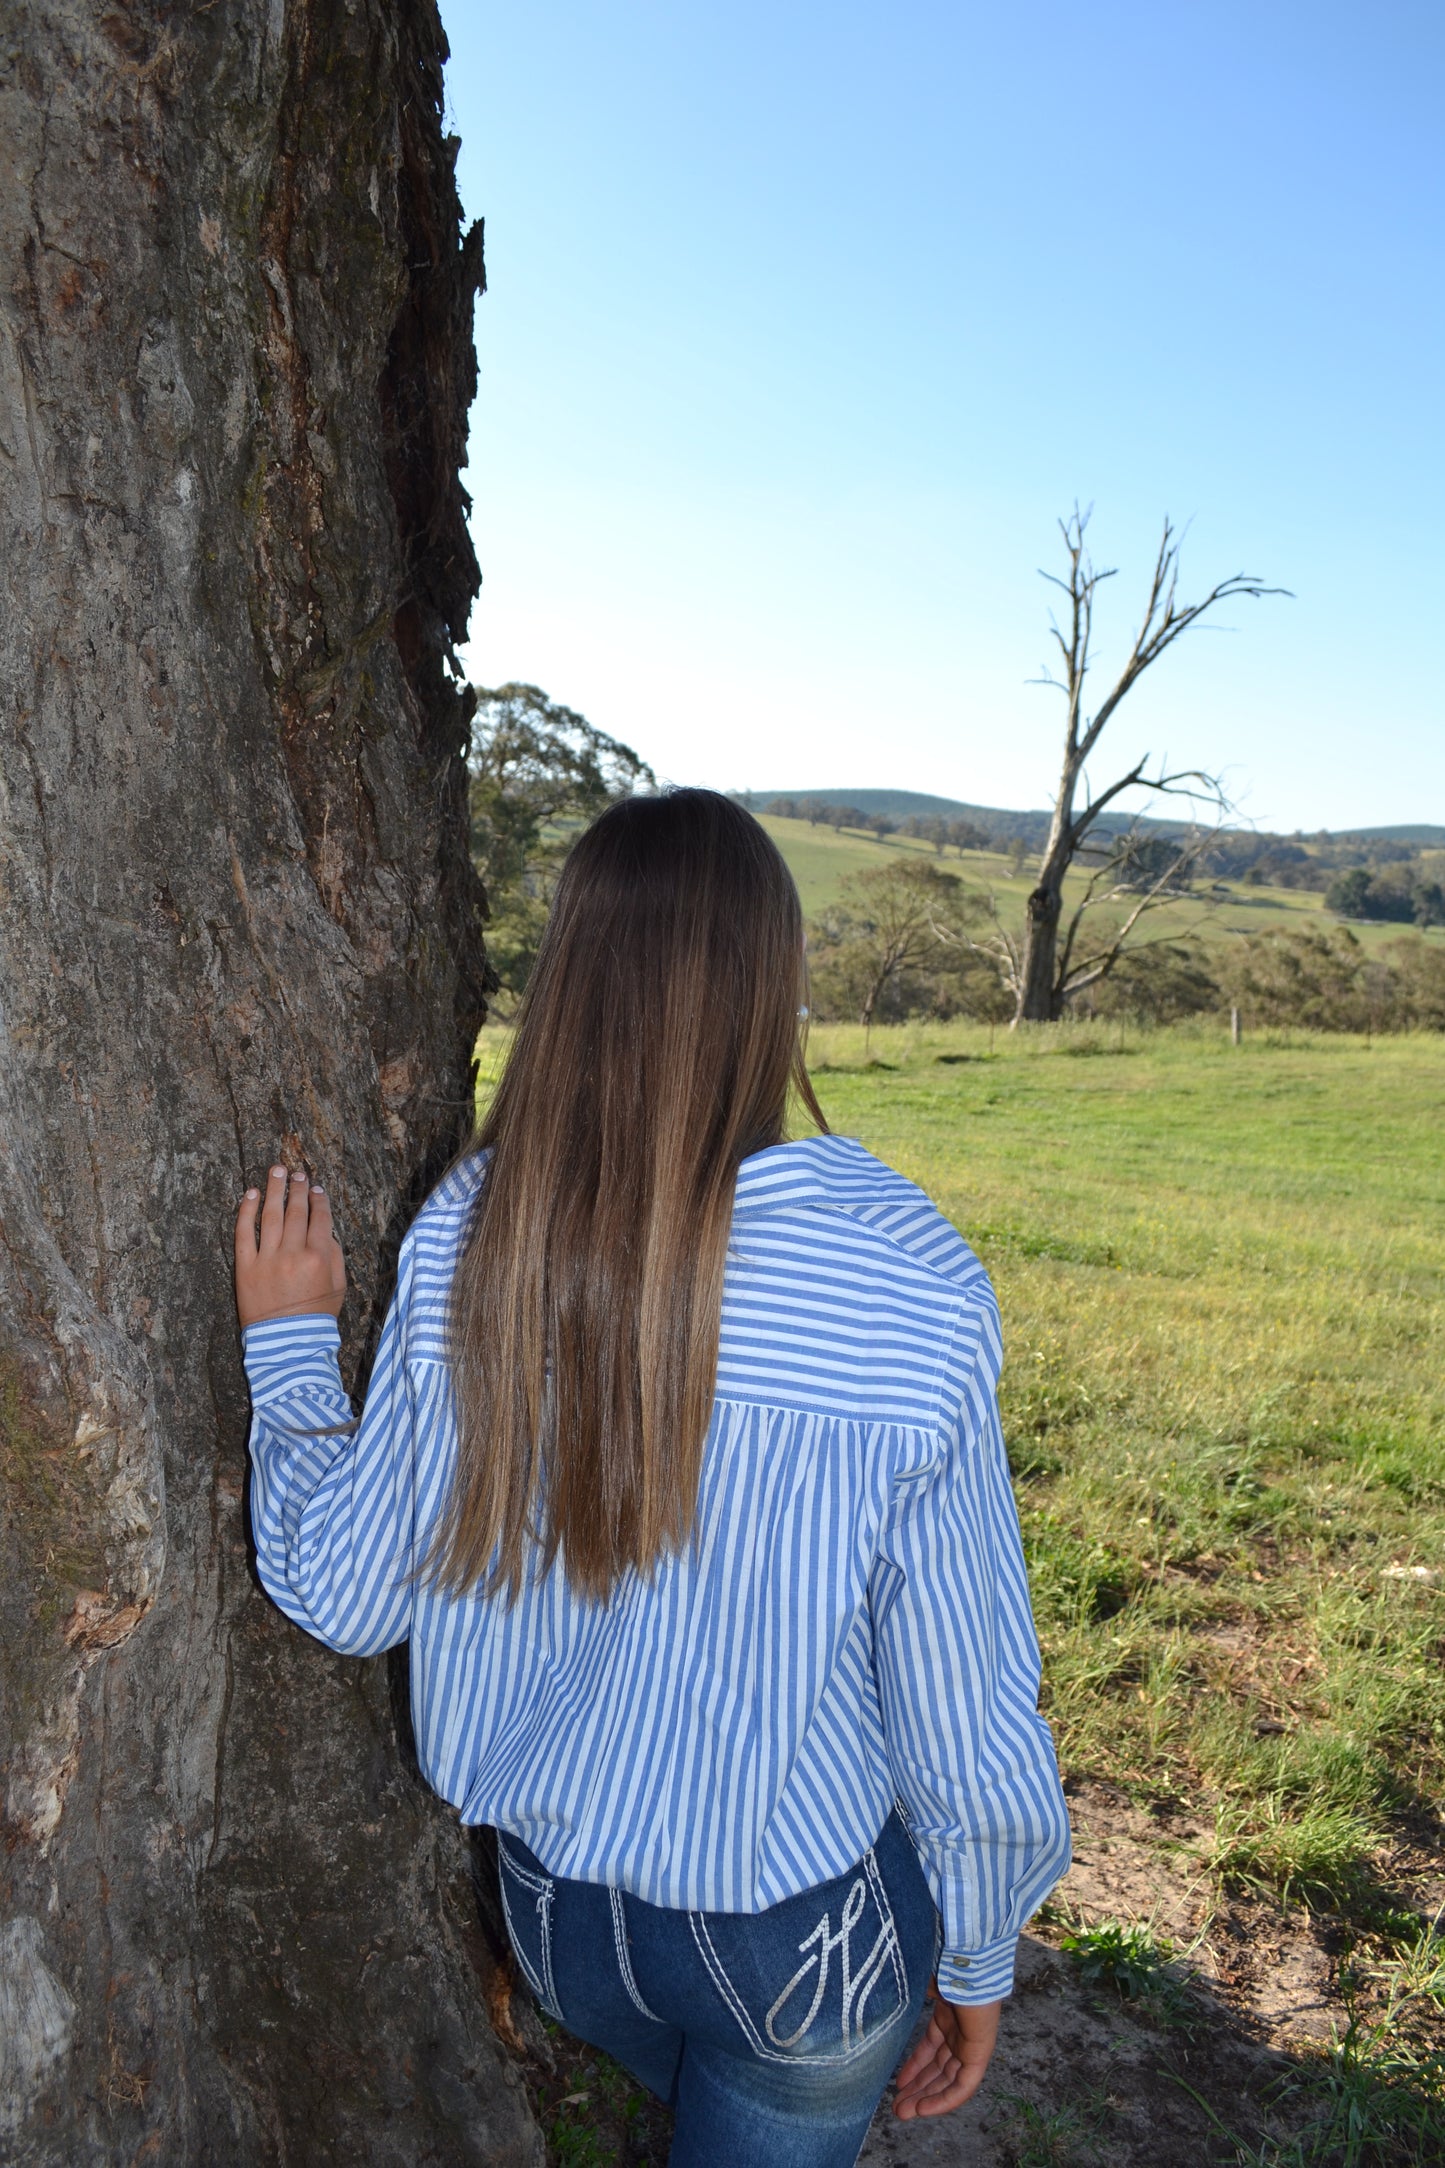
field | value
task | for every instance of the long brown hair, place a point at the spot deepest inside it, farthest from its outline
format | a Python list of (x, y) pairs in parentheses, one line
[(655, 1049)]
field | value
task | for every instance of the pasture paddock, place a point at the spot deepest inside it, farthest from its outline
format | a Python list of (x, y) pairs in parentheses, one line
[(1222, 1279)]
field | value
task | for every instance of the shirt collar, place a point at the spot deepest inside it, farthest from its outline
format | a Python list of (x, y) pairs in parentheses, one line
[(783, 1174)]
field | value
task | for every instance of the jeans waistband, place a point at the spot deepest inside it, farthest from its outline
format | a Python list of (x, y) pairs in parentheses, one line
[(894, 1831)]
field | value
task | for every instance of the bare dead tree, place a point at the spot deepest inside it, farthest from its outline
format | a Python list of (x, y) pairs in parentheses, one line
[(1086, 950), (1052, 961)]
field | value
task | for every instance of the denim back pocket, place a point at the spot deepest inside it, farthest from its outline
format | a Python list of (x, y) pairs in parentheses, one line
[(527, 1902), (815, 1979)]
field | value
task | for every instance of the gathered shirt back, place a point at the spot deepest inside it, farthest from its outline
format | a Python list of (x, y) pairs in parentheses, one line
[(848, 1628)]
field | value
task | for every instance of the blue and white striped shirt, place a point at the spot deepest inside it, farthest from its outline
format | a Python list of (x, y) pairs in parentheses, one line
[(850, 1624)]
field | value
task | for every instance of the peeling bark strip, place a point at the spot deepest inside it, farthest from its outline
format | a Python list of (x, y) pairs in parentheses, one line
[(236, 916)]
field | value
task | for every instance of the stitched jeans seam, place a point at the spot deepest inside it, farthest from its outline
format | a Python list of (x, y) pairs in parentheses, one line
[(544, 1988), (624, 1961)]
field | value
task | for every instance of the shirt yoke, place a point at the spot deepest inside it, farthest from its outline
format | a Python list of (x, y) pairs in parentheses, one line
[(847, 1293)]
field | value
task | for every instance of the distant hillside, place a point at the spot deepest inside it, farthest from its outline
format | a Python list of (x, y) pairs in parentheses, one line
[(1428, 838), (1033, 827), (899, 804), (893, 801)]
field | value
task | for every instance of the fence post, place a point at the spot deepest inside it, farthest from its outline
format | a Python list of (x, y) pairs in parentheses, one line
[(1234, 1027)]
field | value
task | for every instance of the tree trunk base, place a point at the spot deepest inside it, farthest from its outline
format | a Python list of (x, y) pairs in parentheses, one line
[(239, 918)]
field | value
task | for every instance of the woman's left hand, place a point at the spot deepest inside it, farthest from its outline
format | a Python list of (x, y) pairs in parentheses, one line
[(947, 2066), (293, 1266)]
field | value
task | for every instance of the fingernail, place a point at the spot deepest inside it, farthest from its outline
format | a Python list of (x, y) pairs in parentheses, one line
[(298, 1176), (317, 1190), (277, 1173), (252, 1193)]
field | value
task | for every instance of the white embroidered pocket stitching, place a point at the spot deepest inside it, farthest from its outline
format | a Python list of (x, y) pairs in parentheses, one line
[(888, 1938), (852, 1912), (624, 1962), (543, 1989), (885, 1913), (535, 1882)]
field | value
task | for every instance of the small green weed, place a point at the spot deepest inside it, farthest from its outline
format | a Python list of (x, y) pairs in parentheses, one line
[(594, 2113), (575, 2143), (1136, 1963), (1415, 1971), (1377, 2103)]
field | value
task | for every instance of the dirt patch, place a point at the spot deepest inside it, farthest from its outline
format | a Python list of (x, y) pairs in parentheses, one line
[(1138, 1865), (1076, 2079)]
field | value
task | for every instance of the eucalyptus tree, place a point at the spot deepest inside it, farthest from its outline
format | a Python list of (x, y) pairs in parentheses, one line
[(538, 771), (239, 922)]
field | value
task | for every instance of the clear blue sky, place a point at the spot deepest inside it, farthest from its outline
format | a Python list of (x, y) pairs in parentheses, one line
[(806, 322)]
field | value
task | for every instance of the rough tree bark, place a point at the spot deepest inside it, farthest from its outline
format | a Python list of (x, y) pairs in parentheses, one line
[(235, 361)]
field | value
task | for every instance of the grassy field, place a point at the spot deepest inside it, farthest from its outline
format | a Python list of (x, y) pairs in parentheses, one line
[(820, 861), (1222, 1273), (1222, 1277)]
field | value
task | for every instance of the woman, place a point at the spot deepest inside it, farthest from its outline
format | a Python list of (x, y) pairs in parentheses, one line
[(680, 1470)]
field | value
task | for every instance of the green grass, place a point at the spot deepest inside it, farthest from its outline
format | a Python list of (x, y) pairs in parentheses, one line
[(1222, 1276), (1059, 2137)]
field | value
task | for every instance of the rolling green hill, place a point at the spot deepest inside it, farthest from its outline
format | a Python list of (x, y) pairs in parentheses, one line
[(1033, 825), (820, 861)]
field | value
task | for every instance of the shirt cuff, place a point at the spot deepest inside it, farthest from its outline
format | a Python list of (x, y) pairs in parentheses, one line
[(986, 1975), (310, 1332), (284, 1355)]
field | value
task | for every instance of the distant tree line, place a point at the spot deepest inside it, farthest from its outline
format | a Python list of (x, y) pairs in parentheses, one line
[(1321, 863), (1400, 894), (911, 940), (1321, 979)]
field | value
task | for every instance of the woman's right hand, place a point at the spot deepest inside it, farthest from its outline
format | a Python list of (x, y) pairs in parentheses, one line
[(292, 1266), (947, 2066)]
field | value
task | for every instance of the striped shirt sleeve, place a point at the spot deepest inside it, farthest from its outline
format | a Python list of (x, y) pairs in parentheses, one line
[(331, 1497), (958, 1671)]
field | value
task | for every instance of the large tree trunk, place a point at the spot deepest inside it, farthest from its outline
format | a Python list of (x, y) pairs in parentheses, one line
[(235, 360)]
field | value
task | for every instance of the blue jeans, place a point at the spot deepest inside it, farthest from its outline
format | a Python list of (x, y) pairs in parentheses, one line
[(771, 2034)]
